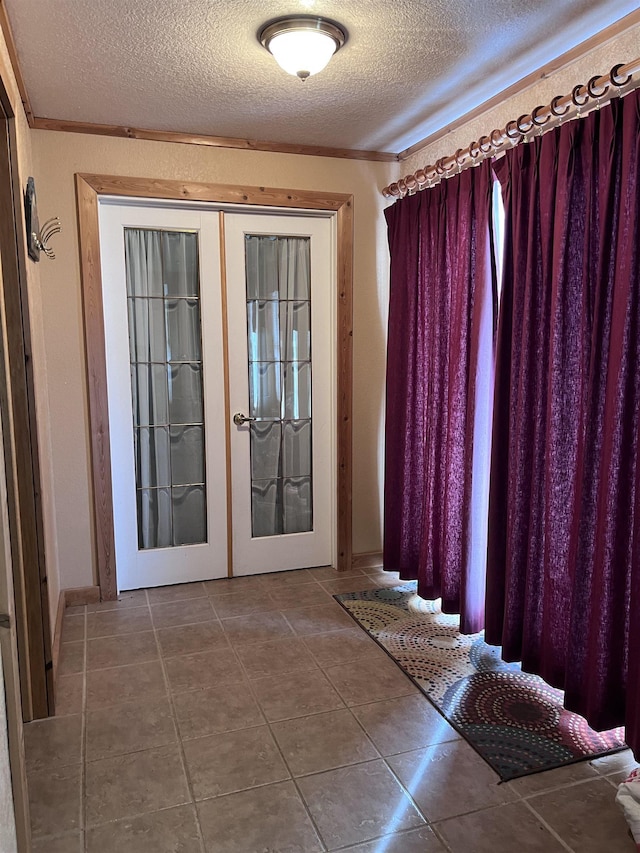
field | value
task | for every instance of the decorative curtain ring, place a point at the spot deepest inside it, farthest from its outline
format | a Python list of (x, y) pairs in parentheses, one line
[(519, 124), (613, 76), (474, 150), (485, 144), (553, 106), (402, 187), (575, 93), (591, 85), (499, 141), (539, 122), (440, 166), (512, 130)]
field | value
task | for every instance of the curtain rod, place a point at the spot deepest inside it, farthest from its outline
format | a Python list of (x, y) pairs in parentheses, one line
[(597, 91)]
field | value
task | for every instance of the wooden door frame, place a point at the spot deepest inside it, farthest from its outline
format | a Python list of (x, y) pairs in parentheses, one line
[(22, 463), (88, 190)]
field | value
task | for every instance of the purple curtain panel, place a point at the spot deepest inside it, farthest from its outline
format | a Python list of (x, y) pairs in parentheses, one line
[(563, 576), (442, 298)]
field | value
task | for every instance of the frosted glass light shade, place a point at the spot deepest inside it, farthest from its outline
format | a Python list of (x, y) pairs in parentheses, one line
[(302, 46), (302, 52)]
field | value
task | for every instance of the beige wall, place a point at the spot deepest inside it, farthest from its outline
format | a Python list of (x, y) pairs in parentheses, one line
[(58, 156), (623, 48), (26, 169)]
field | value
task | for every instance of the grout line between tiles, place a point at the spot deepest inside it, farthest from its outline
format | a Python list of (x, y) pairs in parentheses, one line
[(548, 827), (286, 764), (180, 745)]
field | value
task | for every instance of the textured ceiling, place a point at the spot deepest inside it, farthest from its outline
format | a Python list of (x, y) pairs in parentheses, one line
[(408, 68)]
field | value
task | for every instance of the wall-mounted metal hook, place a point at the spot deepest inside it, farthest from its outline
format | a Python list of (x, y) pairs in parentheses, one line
[(51, 226)]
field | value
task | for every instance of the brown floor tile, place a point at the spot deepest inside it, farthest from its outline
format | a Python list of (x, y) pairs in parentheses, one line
[(72, 842), (275, 658), (449, 779), (134, 784), (182, 612), (322, 742), (303, 595), (233, 761), (318, 619), (71, 658), (109, 623), (404, 724), (356, 804), (131, 727), (107, 687), (586, 817), (175, 592), (619, 762), (126, 599), (328, 573), (53, 742), (369, 680), (54, 800), (224, 586), (229, 823), (421, 840), (505, 829), (343, 646), (296, 694), (202, 670), (350, 585), (536, 783), (106, 652), (241, 604), (72, 628), (189, 639), (68, 694), (258, 628), (207, 712), (281, 580), (167, 831)]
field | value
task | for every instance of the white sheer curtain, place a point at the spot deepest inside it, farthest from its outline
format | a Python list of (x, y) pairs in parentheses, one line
[(166, 381)]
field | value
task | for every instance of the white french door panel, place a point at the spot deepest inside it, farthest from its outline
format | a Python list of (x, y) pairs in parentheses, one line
[(253, 554), (156, 566)]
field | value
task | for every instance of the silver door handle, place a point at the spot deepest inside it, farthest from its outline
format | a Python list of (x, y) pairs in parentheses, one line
[(240, 419)]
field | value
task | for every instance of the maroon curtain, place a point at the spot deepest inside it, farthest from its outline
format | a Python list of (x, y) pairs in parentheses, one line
[(564, 558), (441, 330)]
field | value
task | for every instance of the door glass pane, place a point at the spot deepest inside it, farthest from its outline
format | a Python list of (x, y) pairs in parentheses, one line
[(279, 372), (165, 349)]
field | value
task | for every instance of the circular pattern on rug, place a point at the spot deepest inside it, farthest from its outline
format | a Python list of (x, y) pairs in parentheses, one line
[(430, 675), (425, 635), (505, 699), (513, 751), (374, 615), (487, 658), (578, 736)]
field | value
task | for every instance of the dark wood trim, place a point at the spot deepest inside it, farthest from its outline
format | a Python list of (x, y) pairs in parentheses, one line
[(21, 448), (80, 595), (630, 20), (91, 275), (41, 123), (7, 32), (88, 188), (57, 637)]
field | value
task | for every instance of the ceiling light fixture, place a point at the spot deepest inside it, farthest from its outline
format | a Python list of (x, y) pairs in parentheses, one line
[(302, 44)]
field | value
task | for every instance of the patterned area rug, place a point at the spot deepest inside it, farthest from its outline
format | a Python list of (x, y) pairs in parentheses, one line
[(514, 720)]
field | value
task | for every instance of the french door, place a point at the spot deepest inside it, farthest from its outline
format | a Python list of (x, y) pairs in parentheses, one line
[(220, 391)]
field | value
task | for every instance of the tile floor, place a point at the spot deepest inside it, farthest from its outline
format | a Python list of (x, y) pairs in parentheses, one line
[(253, 716)]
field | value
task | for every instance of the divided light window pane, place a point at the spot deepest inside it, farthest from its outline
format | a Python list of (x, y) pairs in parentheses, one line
[(279, 370), (165, 346)]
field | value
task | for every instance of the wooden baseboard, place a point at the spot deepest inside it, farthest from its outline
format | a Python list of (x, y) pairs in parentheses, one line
[(368, 560), (81, 595)]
